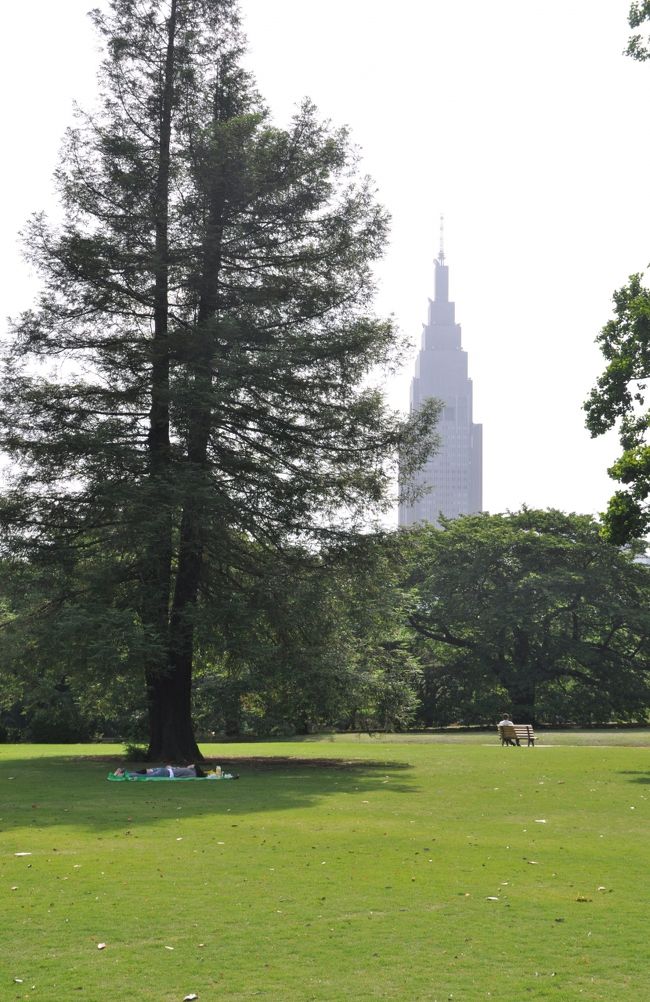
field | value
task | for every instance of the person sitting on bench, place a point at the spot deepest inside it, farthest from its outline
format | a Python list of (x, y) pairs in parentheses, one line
[(507, 722)]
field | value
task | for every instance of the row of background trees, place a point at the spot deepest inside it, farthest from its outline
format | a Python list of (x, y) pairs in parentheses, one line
[(532, 610), (197, 447)]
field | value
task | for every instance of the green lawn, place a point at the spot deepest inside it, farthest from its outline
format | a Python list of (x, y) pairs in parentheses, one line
[(422, 870)]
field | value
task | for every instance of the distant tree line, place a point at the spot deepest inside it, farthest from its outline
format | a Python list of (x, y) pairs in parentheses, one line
[(534, 612)]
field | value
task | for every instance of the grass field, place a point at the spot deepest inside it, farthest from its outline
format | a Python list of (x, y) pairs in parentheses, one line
[(421, 869)]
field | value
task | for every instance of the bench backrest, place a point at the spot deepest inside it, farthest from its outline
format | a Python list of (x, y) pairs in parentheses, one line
[(512, 732)]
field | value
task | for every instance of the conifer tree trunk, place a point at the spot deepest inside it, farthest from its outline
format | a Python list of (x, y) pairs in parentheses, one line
[(193, 520), (168, 709)]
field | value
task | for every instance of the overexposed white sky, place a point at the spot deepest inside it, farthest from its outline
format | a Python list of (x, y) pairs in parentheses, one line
[(521, 122)]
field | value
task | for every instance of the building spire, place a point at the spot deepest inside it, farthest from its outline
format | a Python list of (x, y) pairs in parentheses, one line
[(441, 269), (441, 252)]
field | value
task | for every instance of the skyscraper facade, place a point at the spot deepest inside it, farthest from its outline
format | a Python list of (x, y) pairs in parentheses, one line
[(453, 476)]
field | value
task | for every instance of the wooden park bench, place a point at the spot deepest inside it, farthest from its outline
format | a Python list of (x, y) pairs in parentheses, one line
[(515, 734)]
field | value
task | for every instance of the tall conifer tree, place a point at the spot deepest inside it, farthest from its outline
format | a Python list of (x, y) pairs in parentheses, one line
[(192, 371)]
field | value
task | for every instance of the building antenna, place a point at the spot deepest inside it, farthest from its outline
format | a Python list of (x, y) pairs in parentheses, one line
[(441, 253)]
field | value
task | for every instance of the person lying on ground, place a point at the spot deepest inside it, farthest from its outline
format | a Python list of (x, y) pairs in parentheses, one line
[(165, 772)]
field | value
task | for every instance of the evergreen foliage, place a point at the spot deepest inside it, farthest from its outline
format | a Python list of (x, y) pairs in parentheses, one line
[(193, 372)]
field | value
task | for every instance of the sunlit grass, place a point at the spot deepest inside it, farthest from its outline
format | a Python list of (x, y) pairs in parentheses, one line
[(313, 881)]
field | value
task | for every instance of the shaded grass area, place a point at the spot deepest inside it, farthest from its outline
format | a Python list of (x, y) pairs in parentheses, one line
[(371, 877)]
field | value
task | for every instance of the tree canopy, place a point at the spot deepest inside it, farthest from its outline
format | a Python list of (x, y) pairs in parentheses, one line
[(619, 397), (638, 14), (531, 604), (196, 371)]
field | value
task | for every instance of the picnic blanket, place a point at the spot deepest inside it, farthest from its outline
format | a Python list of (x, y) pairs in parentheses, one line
[(136, 778)]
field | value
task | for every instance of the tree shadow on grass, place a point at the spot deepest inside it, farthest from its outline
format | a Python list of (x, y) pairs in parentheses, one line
[(639, 775), (73, 791)]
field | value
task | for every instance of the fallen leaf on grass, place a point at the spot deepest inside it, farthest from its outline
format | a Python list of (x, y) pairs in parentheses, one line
[(190, 998), (540, 821), (491, 899), (101, 946), (532, 862), (169, 947)]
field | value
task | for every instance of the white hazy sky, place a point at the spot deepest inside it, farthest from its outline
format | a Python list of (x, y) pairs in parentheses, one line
[(521, 122)]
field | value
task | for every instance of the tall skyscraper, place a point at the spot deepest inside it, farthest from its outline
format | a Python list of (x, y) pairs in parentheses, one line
[(454, 475)]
